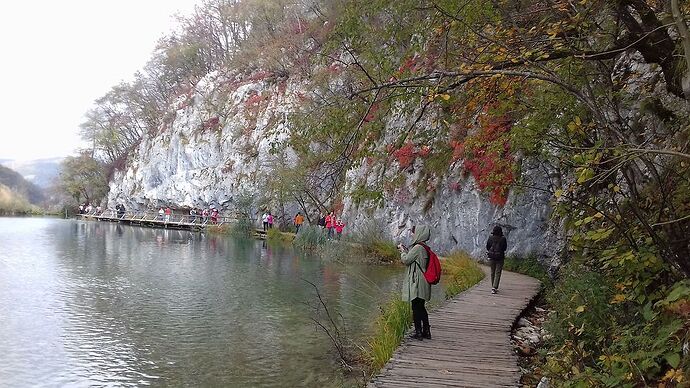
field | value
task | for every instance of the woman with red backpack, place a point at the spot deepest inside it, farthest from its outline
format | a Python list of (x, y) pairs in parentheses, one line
[(416, 289)]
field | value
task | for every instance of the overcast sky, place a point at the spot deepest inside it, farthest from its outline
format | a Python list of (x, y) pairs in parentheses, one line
[(59, 56)]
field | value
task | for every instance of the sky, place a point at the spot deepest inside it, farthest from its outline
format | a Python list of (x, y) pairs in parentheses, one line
[(59, 56)]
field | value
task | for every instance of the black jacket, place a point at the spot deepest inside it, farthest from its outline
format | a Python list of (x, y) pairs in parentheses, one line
[(496, 246)]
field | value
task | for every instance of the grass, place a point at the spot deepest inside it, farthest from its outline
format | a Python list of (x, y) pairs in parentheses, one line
[(275, 235), (529, 266), (390, 328), (460, 272), (384, 250), (310, 237)]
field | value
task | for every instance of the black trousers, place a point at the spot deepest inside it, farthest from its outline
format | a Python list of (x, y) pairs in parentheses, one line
[(419, 315)]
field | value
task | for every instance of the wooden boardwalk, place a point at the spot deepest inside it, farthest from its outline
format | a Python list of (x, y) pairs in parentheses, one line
[(154, 220), (470, 345)]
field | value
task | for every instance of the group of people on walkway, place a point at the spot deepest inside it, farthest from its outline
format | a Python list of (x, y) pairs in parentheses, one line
[(332, 224), (195, 215), (416, 258), (267, 220), (87, 208)]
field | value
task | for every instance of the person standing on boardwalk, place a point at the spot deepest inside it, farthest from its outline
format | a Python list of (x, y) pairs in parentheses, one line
[(299, 220), (270, 220), (496, 247), (330, 224), (339, 225), (168, 213), (264, 220), (416, 290)]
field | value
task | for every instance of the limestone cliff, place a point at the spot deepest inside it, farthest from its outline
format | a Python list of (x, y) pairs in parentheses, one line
[(217, 145)]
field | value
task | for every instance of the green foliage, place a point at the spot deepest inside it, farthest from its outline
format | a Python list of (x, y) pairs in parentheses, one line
[(373, 242), (275, 235), (310, 237), (600, 339), (385, 250), (389, 330), (83, 178), (528, 266), (460, 272)]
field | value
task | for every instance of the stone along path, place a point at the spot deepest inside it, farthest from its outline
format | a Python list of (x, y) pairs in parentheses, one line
[(470, 345)]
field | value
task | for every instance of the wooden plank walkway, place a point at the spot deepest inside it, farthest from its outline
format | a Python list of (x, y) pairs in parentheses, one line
[(470, 344), (154, 220)]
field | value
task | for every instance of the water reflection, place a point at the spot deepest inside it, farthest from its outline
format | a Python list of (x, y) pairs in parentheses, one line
[(87, 303)]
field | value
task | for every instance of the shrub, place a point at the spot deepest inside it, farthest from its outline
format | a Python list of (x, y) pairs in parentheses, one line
[(242, 228), (309, 237), (599, 339)]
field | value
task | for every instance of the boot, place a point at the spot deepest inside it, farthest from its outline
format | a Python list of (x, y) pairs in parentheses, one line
[(418, 334), (426, 333)]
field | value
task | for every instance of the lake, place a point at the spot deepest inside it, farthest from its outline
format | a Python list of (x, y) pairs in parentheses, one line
[(93, 304)]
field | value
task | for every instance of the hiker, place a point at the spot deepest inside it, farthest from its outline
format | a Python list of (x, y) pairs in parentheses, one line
[(160, 213), (214, 216), (416, 290), (299, 220), (192, 215), (330, 224), (120, 210), (204, 215), (269, 219), (496, 247), (168, 213), (339, 225), (264, 220), (322, 221)]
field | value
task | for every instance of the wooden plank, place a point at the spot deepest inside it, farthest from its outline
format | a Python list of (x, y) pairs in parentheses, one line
[(470, 345)]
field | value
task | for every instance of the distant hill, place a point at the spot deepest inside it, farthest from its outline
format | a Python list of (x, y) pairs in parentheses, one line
[(16, 183), (41, 172)]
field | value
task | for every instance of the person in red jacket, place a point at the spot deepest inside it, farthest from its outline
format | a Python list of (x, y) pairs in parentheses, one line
[(330, 224), (339, 225)]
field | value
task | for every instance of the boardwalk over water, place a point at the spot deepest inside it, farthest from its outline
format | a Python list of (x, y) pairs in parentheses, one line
[(470, 344), (154, 220)]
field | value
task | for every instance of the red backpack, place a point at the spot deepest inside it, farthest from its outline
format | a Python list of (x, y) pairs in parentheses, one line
[(433, 267)]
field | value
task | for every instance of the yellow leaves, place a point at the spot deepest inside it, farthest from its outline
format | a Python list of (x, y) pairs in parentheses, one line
[(673, 375), (584, 174), (558, 193), (618, 298), (580, 309), (442, 96)]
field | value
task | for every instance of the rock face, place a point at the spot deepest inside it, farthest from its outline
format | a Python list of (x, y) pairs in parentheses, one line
[(461, 217), (217, 146)]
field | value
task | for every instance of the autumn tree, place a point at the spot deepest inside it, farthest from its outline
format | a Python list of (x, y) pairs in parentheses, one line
[(83, 178)]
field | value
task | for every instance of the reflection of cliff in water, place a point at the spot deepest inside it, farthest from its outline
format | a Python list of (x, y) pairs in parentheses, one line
[(143, 304)]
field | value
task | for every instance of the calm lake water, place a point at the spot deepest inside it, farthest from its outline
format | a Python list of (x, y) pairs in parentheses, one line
[(103, 304)]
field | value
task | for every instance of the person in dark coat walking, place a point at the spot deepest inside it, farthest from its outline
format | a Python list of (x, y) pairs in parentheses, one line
[(496, 247)]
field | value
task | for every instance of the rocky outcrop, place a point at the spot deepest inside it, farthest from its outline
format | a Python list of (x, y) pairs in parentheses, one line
[(217, 146)]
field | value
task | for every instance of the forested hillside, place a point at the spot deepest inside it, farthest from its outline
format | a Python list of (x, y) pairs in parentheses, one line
[(20, 186), (566, 122)]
